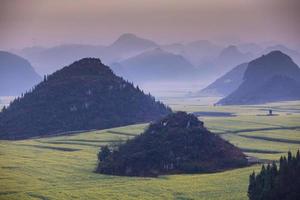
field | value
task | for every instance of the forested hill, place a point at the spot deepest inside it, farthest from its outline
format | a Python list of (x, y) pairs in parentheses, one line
[(84, 95), (178, 143)]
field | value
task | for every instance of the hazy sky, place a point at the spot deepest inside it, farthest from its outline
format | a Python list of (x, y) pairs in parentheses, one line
[(51, 22)]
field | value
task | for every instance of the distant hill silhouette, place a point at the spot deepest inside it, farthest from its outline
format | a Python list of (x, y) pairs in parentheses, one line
[(226, 84), (178, 143), (155, 64), (231, 56), (16, 75), (84, 95), (48, 60), (129, 43), (202, 52), (272, 77), (250, 47)]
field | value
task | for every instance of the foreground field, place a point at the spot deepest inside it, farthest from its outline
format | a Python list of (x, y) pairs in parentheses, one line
[(62, 167)]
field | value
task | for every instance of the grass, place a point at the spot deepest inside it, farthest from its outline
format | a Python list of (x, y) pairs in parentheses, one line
[(62, 167)]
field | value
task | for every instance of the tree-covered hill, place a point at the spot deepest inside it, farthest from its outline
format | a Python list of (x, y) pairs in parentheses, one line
[(84, 95), (178, 143)]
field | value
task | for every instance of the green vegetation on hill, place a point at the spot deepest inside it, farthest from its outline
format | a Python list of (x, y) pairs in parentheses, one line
[(83, 96)]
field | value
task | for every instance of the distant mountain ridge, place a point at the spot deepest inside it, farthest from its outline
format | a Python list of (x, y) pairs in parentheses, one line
[(231, 56), (16, 75), (131, 42), (156, 64), (212, 59), (269, 78), (82, 96), (48, 60)]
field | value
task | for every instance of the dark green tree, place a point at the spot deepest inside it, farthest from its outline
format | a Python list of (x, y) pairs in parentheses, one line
[(4, 109), (252, 186), (272, 183), (104, 153)]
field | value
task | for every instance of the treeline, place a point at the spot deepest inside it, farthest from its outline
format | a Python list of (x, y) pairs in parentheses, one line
[(273, 183)]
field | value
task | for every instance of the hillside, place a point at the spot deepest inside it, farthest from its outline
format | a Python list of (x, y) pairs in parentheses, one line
[(16, 75), (155, 64), (85, 95), (226, 84), (178, 143), (272, 77)]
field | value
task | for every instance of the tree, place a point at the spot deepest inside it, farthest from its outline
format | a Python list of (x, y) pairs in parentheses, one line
[(104, 153), (273, 184), (4, 109), (252, 186)]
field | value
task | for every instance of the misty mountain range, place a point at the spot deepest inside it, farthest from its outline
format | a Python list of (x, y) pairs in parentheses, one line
[(213, 59), (141, 60)]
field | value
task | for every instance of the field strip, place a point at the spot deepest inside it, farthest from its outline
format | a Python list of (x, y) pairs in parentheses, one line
[(261, 129), (86, 140), (7, 193), (38, 196), (68, 133), (50, 147), (288, 110), (122, 133), (271, 139), (246, 150), (254, 122), (71, 143)]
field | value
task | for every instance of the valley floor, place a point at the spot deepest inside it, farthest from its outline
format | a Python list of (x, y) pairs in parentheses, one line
[(62, 167)]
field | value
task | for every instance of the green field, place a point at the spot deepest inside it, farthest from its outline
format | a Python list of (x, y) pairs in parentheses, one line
[(62, 167)]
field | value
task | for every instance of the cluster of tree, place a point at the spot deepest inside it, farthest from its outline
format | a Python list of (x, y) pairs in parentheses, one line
[(272, 183), (178, 143), (85, 95)]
